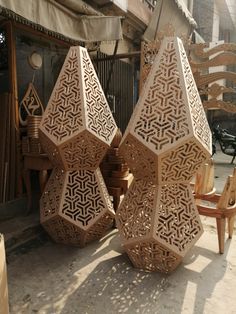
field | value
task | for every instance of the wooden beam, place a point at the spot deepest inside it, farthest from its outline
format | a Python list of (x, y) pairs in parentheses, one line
[(15, 155), (133, 54)]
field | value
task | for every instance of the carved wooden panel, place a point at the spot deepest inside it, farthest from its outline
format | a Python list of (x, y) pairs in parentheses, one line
[(151, 256), (148, 53), (200, 50), (180, 164), (166, 141), (150, 49), (51, 199), (63, 231), (77, 198), (78, 120), (168, 120), (177, 224), (30, 105), (141, 161), (226, 56), (76, 130), (97, 112), (135, 216)]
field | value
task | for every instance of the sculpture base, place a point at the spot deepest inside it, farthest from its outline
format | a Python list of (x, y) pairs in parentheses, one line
[(75, 207), (158, 224)]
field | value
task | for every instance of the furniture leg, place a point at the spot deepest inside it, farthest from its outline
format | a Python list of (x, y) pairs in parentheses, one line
[(26, 176), (116, 202), (232, 161), (43, 177), (231, 226), (221, 233)]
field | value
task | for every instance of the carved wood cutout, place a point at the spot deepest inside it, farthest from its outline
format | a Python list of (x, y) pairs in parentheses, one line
[(149, 51), (213, 104), (166, 141), (203, 51), (30, 105), (204, 79), (225, 58), (76, 131)]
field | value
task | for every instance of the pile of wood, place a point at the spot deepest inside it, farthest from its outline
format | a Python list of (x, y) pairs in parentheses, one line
[(8, 147), (115, 171), (31, 143)]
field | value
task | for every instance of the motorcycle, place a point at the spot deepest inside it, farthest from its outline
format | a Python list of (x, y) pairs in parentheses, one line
[(226, 140)]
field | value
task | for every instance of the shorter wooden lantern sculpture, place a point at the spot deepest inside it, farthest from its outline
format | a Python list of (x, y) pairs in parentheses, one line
[(166, 141), (76, 130)]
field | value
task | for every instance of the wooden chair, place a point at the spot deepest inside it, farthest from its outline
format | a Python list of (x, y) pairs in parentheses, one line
[(204, 180), (223, 208)]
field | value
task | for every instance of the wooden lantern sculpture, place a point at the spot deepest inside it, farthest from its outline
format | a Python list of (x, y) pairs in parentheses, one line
[(76, 130), (166, 141)]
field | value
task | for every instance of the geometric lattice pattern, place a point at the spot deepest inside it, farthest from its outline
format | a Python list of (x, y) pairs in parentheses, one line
[(168, 115), (77, 116), (74, 206), (165, 143), (76, 131)]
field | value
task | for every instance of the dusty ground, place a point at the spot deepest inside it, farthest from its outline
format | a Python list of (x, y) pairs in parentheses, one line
[(55, 279)]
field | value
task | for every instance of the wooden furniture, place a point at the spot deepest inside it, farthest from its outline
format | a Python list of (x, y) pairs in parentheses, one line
[(204, 179), (76, 131), (223, 208), (212, 85), (166, 141), (33, 157), (4, 308), (41, 163)]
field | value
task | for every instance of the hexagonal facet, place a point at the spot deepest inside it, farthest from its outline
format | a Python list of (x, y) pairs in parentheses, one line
[(83, 152), (79, 199), (181, 163), (150, 255), (177, 225), (140, 159), (77, 104), (135, 215)]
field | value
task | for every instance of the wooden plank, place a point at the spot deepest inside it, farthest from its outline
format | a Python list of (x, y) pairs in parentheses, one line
[(14, 160), (4, 308)]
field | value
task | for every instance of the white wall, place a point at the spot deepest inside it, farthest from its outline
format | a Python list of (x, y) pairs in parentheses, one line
[(123, 4), (216, 23)]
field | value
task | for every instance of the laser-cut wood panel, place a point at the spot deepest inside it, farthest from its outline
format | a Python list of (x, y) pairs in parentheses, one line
[(166, 141), (78, 198), (77, 104), (169, 123), (222, 54), (30, 105), (76, 130)]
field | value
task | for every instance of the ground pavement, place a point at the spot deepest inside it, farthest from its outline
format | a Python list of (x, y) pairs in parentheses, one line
[(49, 278)]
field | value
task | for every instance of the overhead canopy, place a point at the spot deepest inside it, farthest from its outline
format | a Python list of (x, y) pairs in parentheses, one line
[(68, 19), (170, 11)]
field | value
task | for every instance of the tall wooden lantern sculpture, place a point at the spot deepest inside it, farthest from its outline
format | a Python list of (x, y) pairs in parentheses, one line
[(76, 130), (166, 141)]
